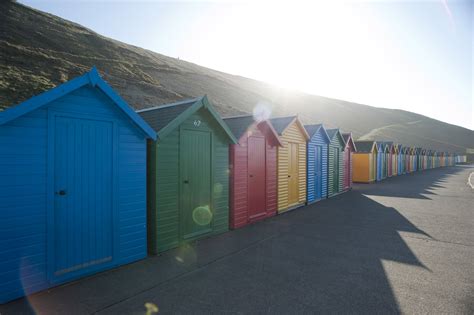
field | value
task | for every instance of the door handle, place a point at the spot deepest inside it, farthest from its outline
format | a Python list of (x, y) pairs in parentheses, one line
[(251, 175), (289, 176), (186, 181), (61, 193)]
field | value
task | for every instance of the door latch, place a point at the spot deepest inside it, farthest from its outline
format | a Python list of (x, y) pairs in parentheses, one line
[(186, 181), (61, 193)]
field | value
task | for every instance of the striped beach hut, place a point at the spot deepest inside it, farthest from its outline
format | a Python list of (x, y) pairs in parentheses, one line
[(188, 173), (253, 170), (291, 162), (364, 162), (335, 162), (317, 164)]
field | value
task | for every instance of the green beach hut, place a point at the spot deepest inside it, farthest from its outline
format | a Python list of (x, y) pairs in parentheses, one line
[(188, 173), (335, 162)]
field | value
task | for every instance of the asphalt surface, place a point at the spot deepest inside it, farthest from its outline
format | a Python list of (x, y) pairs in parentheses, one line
[(405, 245)]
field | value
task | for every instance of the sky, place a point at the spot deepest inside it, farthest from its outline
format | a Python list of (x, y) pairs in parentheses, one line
[(411, 55)]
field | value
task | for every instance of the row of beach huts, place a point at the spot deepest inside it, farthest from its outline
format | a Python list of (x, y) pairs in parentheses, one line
[(88, 184)]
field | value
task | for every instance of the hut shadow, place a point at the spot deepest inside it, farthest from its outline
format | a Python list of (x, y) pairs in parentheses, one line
[(330, 257), (419, 185), (339, 248)]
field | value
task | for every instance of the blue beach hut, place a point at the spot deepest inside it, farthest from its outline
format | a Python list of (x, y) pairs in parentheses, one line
[(380, 158), (72, 186), (400, 159), (317, 163)]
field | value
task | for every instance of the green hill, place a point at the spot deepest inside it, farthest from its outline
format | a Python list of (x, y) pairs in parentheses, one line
[(40, 50)]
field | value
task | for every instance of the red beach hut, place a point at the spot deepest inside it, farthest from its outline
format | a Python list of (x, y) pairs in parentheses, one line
[(253, 165), (348, 152)]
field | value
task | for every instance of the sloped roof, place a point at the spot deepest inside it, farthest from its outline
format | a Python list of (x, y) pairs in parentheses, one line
[(160, 116), (240, 124), (312, 129), (168, 117), (91, 78), (333, 132), (364, 146), (280, 123), (348, 136)]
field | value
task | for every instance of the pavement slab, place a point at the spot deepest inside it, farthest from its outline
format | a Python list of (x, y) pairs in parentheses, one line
[(404, 245)]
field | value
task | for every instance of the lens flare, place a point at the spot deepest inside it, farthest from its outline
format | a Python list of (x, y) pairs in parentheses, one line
[(202, 215), (262, 112), (151, 308), (218, 188), (186, 255)]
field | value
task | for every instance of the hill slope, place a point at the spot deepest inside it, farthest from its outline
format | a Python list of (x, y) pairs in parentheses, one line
[(39, 50)]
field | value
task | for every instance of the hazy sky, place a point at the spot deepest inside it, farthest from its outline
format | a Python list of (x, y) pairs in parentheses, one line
[(413, 55)]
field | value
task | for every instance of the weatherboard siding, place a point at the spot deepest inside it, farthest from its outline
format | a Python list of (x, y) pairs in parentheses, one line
[(292, 134), (239, 178), (272, 179), (336, 145), (24, 193), (239, 157), (317, 140), (164, 200)]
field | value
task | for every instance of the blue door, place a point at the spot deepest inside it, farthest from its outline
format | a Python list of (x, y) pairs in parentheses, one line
[(379, 166), (83, 218), (318, 170)]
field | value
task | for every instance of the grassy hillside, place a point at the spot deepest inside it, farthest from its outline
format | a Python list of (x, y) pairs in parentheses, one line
[(39, 50)]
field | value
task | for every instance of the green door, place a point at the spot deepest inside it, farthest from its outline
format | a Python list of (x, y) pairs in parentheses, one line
[(335, 169), (195, 175)]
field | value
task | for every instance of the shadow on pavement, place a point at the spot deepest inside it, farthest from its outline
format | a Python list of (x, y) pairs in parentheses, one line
[(326, 257), (413, 185)]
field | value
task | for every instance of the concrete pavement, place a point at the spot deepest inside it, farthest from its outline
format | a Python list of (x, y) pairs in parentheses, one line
[(405, 245)]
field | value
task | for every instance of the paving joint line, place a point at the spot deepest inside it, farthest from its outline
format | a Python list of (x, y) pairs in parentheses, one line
[(186, 273)]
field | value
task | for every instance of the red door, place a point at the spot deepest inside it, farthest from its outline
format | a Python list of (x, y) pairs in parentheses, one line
[(256, 180), (347, 168)]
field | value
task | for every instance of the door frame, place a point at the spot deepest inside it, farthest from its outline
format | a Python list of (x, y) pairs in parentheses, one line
[(50, 195), (336, 169), (181, 229), (320, 167), (297, 160), (258, 216)]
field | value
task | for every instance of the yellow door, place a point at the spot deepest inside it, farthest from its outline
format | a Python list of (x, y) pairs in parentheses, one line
[(293, 174)]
